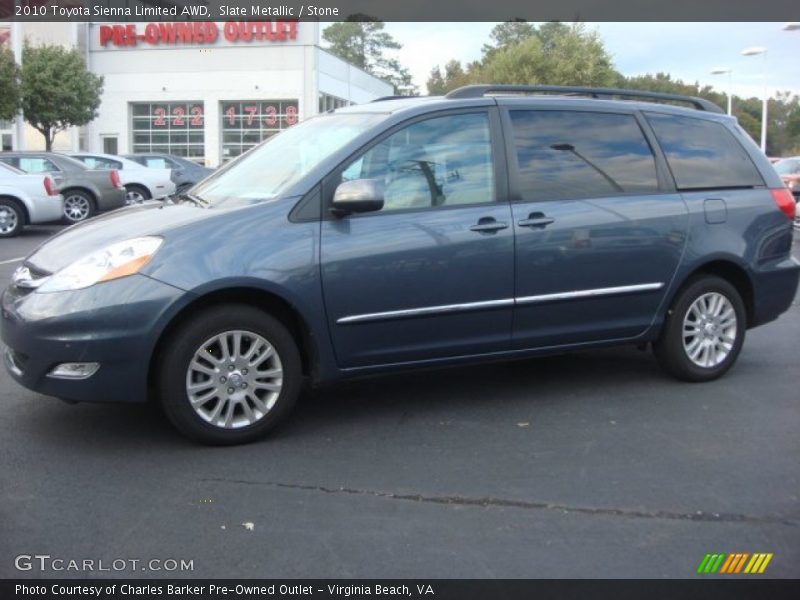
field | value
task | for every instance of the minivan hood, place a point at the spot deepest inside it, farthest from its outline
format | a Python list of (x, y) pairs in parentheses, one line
[(137, 221)]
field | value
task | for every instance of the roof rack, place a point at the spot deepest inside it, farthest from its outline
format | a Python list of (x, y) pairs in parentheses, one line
[(478, 91), (384, 98)]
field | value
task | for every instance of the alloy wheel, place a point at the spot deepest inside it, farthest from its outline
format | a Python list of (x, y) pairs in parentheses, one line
[(76, 208), (8, 220), (234, 379), (134, 197), (709, 330)]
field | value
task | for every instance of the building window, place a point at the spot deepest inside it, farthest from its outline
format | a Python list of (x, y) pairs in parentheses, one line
[(245, 123), (328, 102), (169, 127)]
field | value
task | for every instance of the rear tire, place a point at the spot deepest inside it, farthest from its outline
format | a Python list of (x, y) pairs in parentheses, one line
[(229, 375), (12, 219), (704, 330), (78, 206)]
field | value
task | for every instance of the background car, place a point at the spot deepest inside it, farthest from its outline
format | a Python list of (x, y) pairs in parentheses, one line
[(86, 191), (789, 170), (141, 183), (185, 173), (26, 199)]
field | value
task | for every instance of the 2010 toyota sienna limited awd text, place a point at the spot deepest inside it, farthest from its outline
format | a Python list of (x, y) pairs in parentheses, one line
[(498, 221)]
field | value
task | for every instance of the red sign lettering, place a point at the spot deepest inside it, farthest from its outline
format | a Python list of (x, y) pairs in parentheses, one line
[(157, 34)]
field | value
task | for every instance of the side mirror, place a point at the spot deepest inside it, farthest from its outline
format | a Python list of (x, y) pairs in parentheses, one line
[(359, 195)]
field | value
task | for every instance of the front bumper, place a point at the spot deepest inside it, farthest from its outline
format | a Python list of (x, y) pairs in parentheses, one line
[(115, 324)]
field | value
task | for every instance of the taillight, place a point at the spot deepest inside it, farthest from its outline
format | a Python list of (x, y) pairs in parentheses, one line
[(785, 201), (50, 186), (115, 178)]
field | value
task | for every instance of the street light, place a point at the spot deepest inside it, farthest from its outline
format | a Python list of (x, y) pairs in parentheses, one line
[(755, 51), (729, 72), (791, 27)]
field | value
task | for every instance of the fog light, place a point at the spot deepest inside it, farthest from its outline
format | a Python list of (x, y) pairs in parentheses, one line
[(74, 370)]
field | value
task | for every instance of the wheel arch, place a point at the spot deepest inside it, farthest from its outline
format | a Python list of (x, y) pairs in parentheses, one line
[(141, 186), (260, 299), (732, 272), (25, 215)]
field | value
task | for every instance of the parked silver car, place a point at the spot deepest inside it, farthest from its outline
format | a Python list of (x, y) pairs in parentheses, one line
[(26, 199), (86, 191)]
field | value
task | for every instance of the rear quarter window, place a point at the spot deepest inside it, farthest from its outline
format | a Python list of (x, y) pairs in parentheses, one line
[(703, 154)]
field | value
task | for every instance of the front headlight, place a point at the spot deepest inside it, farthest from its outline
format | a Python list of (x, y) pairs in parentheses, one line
[(112, 262)]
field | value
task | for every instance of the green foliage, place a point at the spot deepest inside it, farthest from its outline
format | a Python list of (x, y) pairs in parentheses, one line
[(508, 34), (454, 76), (57, 90), (521, 53), (360, 40), (9, 85)]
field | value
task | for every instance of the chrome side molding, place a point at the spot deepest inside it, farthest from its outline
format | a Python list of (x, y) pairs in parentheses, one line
[(427, 310), (488, 304), (610, 291)]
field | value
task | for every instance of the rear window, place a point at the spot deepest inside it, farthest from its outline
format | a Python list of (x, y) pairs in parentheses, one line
[(703, 154)]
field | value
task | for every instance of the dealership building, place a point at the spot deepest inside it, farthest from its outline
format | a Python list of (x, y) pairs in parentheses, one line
[(204, 90)]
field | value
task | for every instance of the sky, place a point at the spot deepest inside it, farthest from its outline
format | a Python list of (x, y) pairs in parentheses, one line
[(688, 51)]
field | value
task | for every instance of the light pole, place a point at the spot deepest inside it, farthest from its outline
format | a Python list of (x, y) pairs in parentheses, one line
[(730, 86), (755, 51), (16, 48)]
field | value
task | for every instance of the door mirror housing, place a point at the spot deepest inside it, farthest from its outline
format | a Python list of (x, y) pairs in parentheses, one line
[(357, 196)]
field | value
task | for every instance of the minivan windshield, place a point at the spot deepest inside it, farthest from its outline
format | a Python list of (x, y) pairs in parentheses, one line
[(265, 171)]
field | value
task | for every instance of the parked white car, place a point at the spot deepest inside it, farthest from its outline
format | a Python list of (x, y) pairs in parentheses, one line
[(26, 199), (141, 183)]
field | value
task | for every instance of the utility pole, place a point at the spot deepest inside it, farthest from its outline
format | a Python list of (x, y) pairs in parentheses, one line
[(19, 120)]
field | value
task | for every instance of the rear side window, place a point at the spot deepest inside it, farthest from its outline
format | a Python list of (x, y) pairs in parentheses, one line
[(156, 162), (96, 162), (570, 155), (703, 154), (32, 164)]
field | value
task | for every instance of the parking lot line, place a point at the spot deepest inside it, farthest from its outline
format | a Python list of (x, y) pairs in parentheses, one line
[(11, 260)]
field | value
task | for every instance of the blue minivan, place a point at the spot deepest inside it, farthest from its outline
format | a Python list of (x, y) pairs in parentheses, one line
[(494, 222)]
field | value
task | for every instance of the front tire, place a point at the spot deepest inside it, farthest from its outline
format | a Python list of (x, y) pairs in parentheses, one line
[(135, 194), (229, 375), (704, 330)]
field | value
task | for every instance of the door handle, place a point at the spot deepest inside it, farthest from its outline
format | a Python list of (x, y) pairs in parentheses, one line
[(488, 225), (536, 219)]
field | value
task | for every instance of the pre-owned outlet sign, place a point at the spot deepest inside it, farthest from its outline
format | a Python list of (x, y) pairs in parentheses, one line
[(157, 34)]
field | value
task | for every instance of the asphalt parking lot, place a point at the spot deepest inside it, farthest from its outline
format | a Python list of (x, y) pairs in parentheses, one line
[(592, 464)]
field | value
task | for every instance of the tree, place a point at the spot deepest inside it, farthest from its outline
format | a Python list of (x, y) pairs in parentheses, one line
[(57, 90), (9, 84), (454, 76), (360, 40), (508, 34), (552, 54)]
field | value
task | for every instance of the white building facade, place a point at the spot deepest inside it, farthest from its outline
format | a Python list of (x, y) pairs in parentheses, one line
[(209, 90)]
